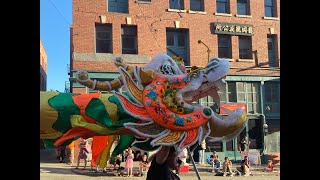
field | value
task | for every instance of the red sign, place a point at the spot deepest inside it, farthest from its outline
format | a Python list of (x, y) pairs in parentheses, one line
[(232, 107)]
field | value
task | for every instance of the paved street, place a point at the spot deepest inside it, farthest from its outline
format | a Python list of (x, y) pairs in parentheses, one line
[(62, 171)]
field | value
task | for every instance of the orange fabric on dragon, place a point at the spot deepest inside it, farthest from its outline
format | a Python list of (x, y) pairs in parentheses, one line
[(162, 91), (72, 133), (82, 102), (98, 145)]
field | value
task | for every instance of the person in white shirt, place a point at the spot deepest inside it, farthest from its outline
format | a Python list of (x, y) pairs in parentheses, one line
[(201, 152), (182, 159)]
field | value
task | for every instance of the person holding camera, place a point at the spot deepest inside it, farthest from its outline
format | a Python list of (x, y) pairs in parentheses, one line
[(245, 166)]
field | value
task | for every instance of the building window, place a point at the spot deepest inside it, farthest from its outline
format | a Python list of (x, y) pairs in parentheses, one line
[(253, 97), (222, 95), (243, 7), (223, 6), (236, 92), (272, 97), (224, 46), (229, 146), (103, 38), (245, 51), (209, 102), (129, 39), (213, 146), (204, 101), (170, 38), (241, 92), (178, 43), (197, 5), (176, 4), (272, 50), (232, 92), (119, 6), (269, 8)]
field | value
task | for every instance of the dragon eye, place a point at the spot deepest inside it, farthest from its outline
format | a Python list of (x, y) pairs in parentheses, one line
[(166, 69)]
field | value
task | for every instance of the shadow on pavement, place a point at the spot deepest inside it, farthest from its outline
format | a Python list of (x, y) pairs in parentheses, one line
[(55, 170)]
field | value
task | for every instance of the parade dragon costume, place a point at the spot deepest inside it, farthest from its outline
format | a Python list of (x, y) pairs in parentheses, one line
[(158, 108)]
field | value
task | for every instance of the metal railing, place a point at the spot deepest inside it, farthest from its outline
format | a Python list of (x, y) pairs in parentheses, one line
[(67, 87)]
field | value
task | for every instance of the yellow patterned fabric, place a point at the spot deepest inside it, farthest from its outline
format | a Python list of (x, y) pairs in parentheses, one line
[(135, 91), (79, 121), (111, 107), (48, 113), (172, 137)]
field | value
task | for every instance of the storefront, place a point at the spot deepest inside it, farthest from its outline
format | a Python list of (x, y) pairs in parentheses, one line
[(260, 98)]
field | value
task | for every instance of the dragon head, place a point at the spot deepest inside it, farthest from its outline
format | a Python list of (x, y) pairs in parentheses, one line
[(164, 98)]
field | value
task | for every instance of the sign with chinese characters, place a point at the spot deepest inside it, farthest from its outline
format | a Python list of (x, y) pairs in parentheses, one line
[(232, 107), (233, 29)]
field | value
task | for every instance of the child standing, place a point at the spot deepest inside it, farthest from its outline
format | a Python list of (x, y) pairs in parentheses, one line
[(83, 153), (129, 162)]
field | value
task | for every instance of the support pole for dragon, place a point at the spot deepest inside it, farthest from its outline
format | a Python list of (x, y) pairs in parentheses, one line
[(194, 165)]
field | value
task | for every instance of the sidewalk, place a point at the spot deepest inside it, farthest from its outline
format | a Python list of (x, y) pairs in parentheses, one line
[(204, 170), (62, 171)]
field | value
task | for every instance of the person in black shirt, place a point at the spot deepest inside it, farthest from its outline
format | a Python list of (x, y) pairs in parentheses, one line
[(143, 164), (243, 145), (162, 164), (117, 162)]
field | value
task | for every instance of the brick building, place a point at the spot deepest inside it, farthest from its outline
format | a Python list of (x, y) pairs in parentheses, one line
[(43, 68), (246, 32), (43, 75)]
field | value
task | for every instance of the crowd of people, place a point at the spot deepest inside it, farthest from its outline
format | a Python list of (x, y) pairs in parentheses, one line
[(226, 167), (128, 156), (166, 162)]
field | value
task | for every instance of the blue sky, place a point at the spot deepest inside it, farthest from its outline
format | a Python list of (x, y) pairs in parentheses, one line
[(55, 21)]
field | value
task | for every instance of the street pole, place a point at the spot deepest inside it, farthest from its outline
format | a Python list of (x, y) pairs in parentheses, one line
[(194, 165), (208, 49)]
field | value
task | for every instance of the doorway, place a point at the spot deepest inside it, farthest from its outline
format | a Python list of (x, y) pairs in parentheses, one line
[(255, 133), (178, 44)]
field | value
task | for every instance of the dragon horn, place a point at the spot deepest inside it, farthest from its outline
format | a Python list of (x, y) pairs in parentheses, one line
[(83, 78), (138, 73)]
